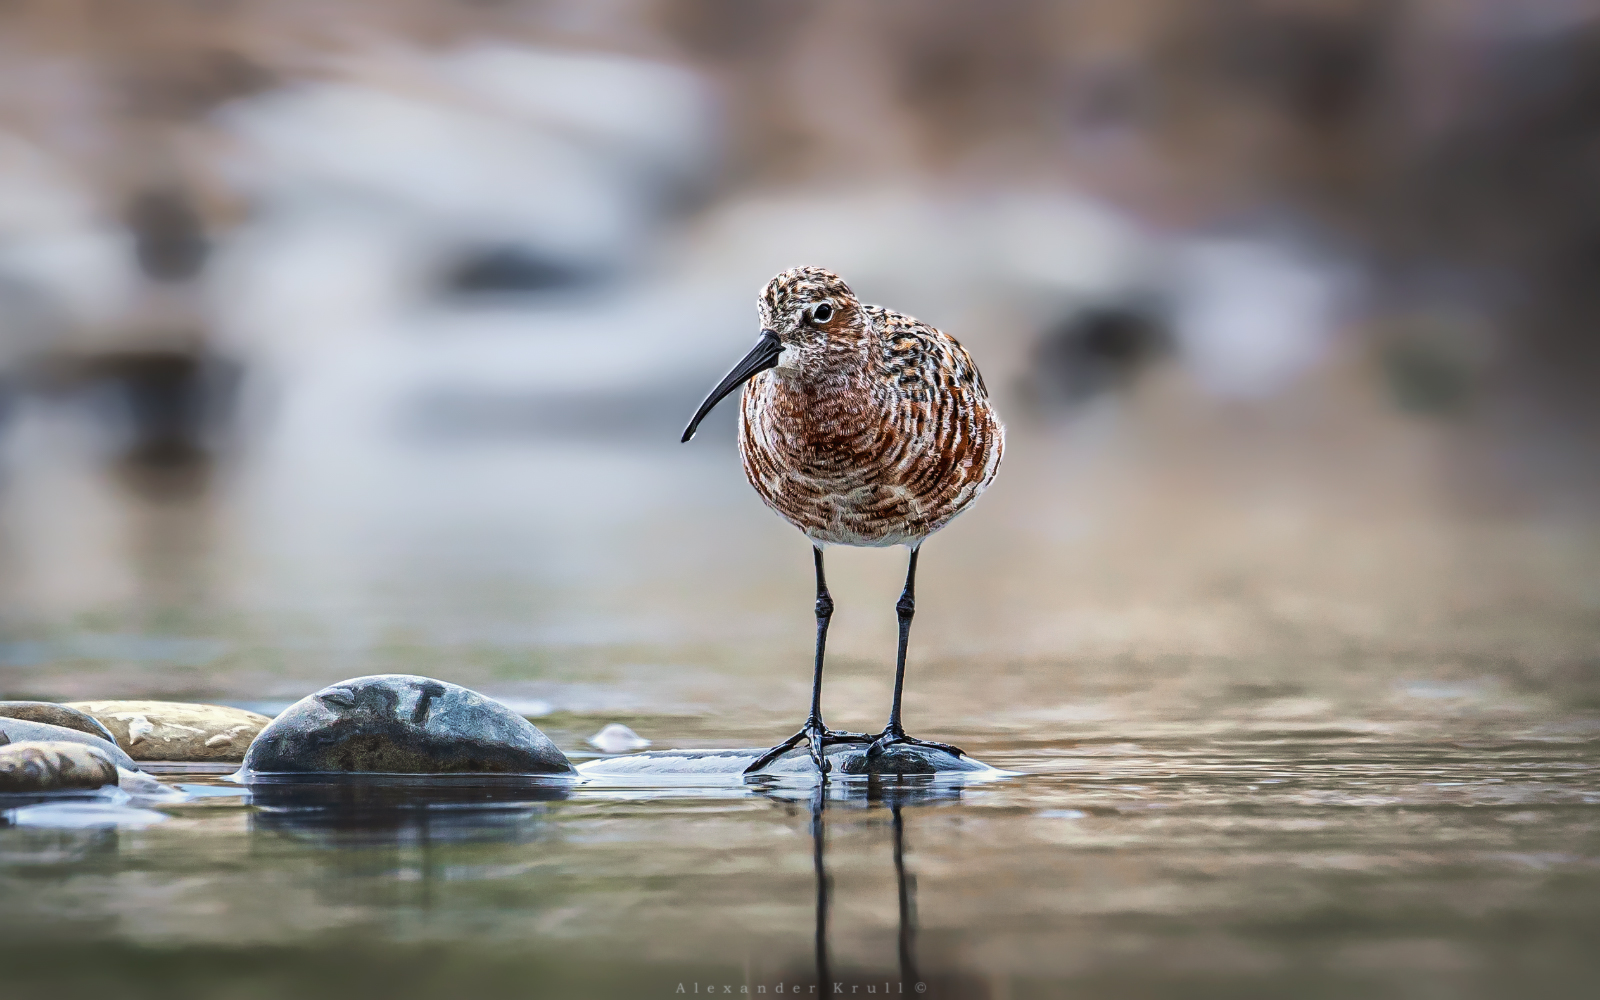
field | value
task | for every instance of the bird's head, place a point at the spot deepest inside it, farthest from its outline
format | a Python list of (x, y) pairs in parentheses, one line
[(814, 315), (810, 322)]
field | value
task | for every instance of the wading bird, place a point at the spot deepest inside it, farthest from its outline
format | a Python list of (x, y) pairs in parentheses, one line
[(859, 426)]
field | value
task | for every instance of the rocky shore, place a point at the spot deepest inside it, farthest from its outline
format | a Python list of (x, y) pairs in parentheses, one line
[(384, 724)]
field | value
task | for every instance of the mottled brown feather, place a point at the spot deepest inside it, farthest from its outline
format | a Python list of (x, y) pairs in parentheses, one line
[(875, 429)]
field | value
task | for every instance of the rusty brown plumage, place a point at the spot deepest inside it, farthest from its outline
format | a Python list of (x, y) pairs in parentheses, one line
[(874, 428)]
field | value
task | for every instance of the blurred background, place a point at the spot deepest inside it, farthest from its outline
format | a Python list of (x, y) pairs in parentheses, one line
[(352, 337)]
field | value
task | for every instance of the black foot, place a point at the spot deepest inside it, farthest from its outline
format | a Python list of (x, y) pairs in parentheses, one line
[(889, 738), (818, 737)]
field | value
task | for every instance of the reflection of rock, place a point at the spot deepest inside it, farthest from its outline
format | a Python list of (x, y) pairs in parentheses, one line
[(876, 791), (177, 731), (18, 730), (847, 759), (29, 847), (33, 766), (58, 815), (402, 724), (348, 811), (56, 715)]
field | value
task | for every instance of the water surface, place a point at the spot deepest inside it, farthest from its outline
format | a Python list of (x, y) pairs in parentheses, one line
[(1213, 860)]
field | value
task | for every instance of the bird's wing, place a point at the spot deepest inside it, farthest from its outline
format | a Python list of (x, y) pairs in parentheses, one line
[(918, 359)]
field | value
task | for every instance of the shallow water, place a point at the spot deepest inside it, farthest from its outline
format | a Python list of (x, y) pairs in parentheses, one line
[(1221, 861)]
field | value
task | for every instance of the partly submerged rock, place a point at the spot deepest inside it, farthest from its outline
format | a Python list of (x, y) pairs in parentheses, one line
[(19, 730), (53, 714), (616, 738), (906, 758), (846, 759), (177, 731), (402, 724), (145, 788), (51, 766)]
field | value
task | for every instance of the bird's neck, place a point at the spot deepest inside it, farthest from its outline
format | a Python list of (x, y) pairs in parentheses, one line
[(844, 361)]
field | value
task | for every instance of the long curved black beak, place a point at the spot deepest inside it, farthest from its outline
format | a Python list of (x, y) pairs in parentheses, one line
[(761, 357)]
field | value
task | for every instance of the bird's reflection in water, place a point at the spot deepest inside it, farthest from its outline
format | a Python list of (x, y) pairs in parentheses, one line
[(874, 793), (819, 861), (908, 900)]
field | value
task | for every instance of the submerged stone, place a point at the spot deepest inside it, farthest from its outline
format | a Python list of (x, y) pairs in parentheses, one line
[(846, 759), (53, 714), (144, 788), (402, 724), (20, 730), (177, 731), (51, 766), (906, 758)]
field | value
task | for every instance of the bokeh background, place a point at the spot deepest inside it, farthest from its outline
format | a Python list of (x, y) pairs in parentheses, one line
[(341, 338), (357, 336)]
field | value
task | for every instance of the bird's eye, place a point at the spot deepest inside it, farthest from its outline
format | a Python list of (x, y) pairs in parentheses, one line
[(822, 313)]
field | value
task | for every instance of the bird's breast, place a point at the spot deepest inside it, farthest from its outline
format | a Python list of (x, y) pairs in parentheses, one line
[(855, 465), (815, 433)]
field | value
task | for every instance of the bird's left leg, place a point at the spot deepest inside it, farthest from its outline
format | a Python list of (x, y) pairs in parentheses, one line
[(894, 733), (814, 732)]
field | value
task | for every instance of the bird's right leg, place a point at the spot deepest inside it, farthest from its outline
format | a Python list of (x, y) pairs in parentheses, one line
[(814, 732)]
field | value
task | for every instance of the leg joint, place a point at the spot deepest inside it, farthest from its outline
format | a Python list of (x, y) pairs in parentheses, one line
[(906, 606), (824, 606)]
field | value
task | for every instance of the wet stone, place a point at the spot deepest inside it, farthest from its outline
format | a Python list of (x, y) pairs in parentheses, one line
[(846, 759), (56, 715), (907, 759), (21, 730), (177, 731), (50, 766), (402, 724)]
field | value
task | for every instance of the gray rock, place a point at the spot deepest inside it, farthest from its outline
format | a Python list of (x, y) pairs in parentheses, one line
[(905, 758), (177, 731), (847, 759), (51, 766), (145, 789), (402, 724), (56, 715), (19, 730)]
